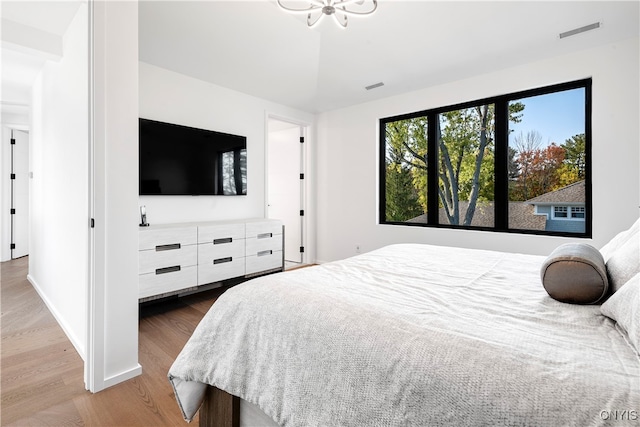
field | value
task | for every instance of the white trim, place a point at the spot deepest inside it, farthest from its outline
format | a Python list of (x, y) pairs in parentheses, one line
[(94, 363), (123, 376), (60, 319), (305, 196)]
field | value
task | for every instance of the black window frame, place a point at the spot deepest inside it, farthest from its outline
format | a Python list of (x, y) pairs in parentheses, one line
[(501, 189)]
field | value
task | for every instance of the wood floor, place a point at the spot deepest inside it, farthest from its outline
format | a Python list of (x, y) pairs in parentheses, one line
[(42, 374)]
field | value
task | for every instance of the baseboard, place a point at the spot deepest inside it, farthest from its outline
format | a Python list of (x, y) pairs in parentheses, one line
[(123, 376), (65, 327)]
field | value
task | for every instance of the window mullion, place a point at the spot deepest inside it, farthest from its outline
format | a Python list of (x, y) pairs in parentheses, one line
[(432, 170), (501, 190)]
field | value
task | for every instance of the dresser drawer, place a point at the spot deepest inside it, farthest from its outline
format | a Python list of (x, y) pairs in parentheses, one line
[(152, 259), (153, 238), (267, 260), (157, 284), (222, 232), (207, 252), (223, 269), (263, 228), (255, 245)]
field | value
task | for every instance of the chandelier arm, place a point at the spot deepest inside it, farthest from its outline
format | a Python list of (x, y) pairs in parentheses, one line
[(347, 2), (313, 6), (342, 24), (343, 4), (313, 23)]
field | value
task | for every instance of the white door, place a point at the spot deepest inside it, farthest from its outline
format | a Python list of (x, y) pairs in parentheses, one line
[(285, 186), (20, 194)]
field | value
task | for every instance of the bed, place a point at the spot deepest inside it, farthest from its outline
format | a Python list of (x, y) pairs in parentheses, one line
[(415, 335)]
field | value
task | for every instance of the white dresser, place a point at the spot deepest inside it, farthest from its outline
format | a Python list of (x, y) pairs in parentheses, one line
[(178, 258)]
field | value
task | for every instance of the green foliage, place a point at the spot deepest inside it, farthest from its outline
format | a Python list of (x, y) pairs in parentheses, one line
[(466, 162), (406, 177), (575, 154), (402, 202)]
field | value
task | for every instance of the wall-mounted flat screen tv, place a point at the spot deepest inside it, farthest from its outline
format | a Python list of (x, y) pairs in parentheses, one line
[(179, 160)]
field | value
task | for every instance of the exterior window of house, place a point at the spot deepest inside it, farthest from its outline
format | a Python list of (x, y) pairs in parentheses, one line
[(577, 212), (560, 212), (516, 162)]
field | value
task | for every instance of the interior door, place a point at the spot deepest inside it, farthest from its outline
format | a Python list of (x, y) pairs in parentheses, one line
[(285, 187), (19, 194)]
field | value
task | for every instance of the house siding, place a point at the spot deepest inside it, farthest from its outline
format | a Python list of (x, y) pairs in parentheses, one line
[(565, 225)]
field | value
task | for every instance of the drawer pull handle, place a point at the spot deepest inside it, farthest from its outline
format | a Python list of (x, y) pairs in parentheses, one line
[(167, 269), (222, 260), (167, 247), (265, 235), (264, 253), (221, 241)]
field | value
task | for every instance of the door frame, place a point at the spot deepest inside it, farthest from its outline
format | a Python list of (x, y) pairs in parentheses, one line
[(5, 183), (306, 195), (11, 129)]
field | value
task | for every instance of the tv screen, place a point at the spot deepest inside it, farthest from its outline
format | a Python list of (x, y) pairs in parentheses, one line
[(180, 160)]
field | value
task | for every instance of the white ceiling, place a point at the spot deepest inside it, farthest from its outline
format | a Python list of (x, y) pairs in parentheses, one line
[(257, 48), (21, 64)]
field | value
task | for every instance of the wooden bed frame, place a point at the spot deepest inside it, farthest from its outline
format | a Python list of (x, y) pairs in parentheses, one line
[(219, 409)]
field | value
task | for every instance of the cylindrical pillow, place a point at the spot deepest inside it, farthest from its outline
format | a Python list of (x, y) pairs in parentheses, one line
[(575, 273)]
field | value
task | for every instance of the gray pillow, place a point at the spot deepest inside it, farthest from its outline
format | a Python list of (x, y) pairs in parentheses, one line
[(624, 263), (575, 273), (624, 308)]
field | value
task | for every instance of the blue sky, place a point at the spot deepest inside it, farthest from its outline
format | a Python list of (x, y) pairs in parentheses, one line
[(556, 116)]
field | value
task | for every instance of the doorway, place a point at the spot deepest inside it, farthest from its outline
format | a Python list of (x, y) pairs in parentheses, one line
[(19, 193), (286, 185)]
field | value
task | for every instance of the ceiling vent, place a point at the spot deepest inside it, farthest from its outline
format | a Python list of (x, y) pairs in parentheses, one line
[(580, 30), (373, 86)]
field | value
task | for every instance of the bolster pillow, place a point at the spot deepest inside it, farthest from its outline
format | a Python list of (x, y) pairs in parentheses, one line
[(575, 273)]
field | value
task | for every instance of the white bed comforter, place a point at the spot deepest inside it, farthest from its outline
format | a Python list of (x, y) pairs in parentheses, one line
[(412, 335)]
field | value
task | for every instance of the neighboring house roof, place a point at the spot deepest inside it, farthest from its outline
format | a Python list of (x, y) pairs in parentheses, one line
[(571, 194), (521, 216)]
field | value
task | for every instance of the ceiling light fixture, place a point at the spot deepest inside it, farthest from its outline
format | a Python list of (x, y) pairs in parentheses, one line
[(338, 9)]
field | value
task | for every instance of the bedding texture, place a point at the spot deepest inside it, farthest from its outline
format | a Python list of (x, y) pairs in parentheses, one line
[(575, 273), (411, 335)]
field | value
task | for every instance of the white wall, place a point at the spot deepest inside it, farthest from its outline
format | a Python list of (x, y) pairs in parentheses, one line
[(171, 97), (59, 192), (113, 294), (347, 155)]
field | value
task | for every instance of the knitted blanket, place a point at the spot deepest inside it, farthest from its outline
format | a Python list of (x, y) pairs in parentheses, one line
[(411, 335)]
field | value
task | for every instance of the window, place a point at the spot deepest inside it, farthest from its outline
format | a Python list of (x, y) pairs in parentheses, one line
[(577, 212), (508, 163), (560, 212), (569, 212)]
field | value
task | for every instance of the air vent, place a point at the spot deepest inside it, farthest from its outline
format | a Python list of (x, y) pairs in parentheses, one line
[(373, 86), (580, 30)]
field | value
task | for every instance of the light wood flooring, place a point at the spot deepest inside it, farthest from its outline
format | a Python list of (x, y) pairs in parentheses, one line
[(42, 374)]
